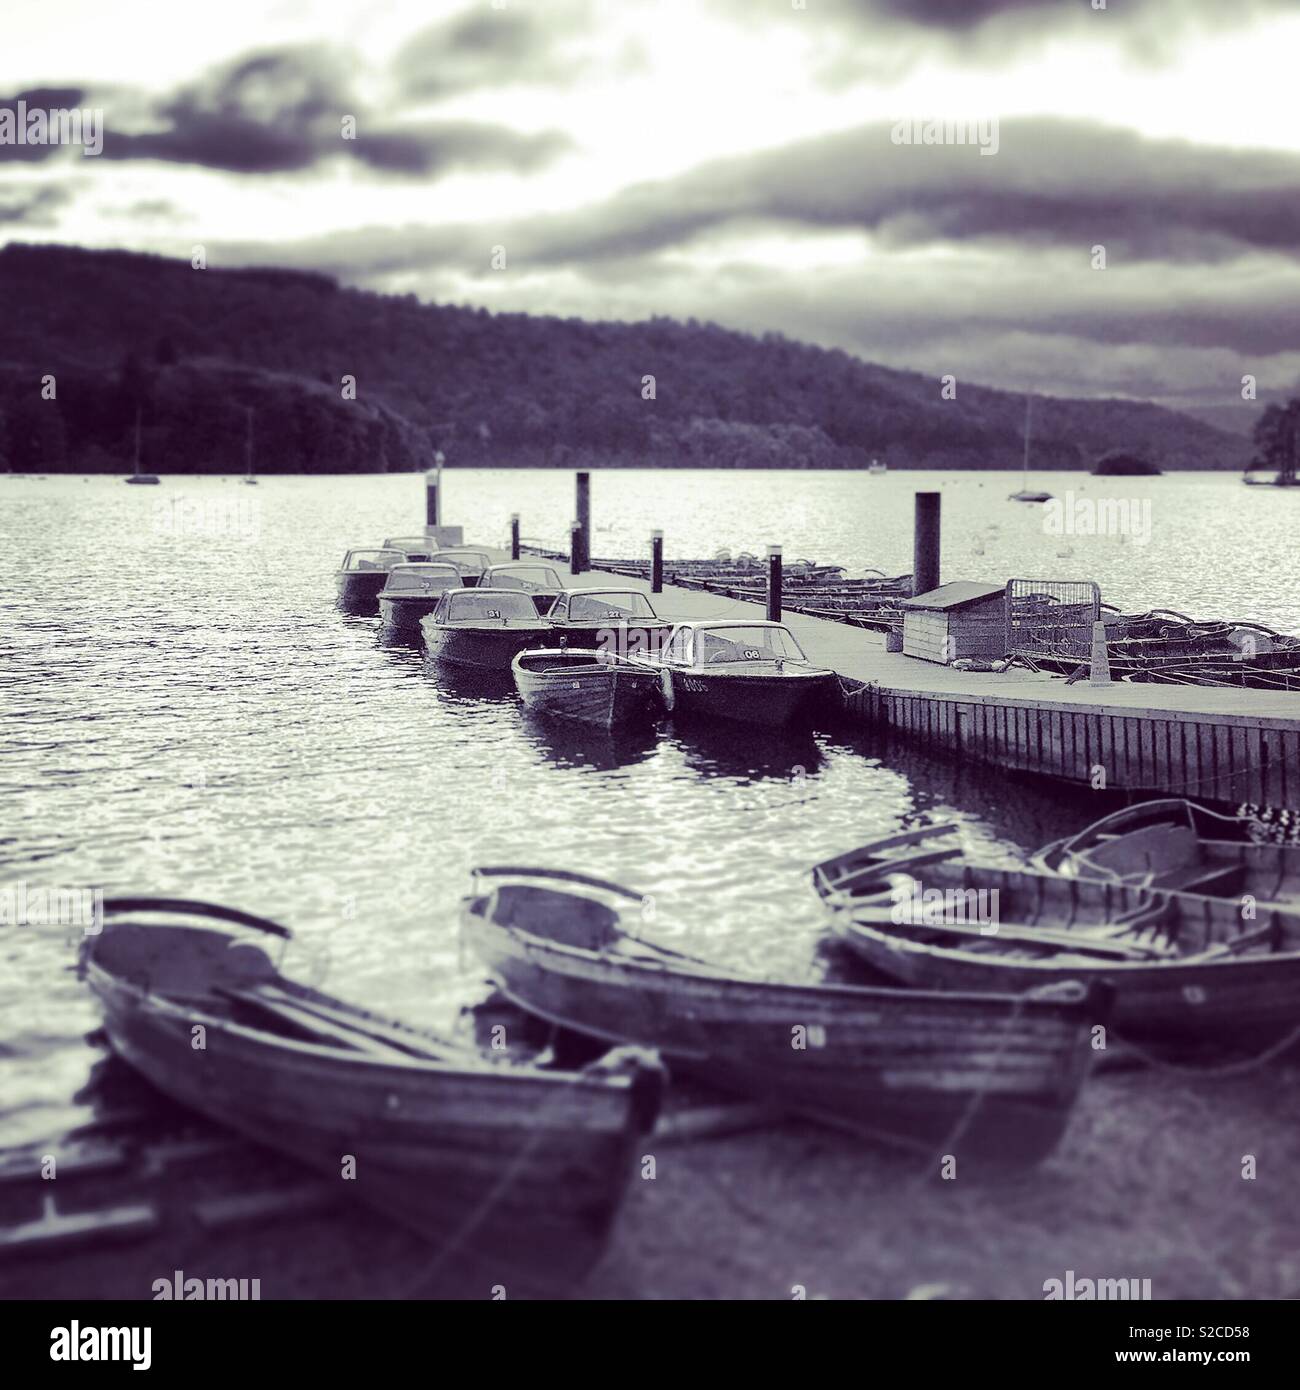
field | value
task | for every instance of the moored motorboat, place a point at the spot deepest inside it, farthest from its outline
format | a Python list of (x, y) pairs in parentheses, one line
[(1175, 844), (512, 1170), (990, 1078), (593, 687), (1185, 968), (362, 575), (622, 621), (749, 671), (540, 582), (412, 592), (471, 563), (481, 627)]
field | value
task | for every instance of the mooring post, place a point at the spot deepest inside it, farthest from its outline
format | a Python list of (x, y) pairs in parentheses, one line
[(514, 535), (582, 509), (925, 544), (656, 562), (433, 490), (774, 583), (575, 548), (1099, 665)]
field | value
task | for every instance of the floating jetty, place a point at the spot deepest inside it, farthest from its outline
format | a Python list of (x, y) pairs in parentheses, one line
[(1228, 744)]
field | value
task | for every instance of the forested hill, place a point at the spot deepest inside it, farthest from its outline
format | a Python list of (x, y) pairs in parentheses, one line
[(188, 352)]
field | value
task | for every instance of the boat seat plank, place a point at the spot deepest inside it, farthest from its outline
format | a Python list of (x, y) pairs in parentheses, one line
[(317, 1029)]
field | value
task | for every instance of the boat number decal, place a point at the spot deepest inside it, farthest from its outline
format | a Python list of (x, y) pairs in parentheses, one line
[(1194, 994), (750, 654), (577, 685), (494, 612), (697, 686)]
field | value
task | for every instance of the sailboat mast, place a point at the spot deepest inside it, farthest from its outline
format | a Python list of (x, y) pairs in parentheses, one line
[(136, 465), (248, 441)]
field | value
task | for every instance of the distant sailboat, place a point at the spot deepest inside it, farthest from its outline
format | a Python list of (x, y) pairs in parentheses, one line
[(1026, 493), (877, 466), (249, 480), (136, 476)]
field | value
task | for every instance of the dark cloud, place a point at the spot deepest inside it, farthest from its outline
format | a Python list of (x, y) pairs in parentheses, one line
[(487, 48), (283, 112), (453, 144), (1052, 182)]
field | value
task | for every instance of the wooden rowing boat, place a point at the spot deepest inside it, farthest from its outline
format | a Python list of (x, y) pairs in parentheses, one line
[(515, 1172), (482, 628), (593, 687), (1175, 844), (1184, 968), (987, 1077)]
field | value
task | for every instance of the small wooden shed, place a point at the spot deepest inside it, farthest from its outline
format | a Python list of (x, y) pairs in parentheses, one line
[(962, 619)]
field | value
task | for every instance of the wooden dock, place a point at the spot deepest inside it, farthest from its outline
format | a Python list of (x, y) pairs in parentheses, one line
[(1230, 745)]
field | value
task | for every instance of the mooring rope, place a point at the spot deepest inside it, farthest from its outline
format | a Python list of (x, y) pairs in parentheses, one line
[(1237, 1068)]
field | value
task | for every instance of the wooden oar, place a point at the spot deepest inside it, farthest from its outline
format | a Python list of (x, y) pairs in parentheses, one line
[(1035, 936)]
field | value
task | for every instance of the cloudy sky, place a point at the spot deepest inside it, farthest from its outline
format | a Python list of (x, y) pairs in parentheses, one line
[(723, 159)]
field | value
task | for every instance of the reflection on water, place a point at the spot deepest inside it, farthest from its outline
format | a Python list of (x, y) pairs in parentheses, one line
[(194, 715)]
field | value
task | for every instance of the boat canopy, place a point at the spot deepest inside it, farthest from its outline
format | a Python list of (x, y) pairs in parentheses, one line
[(484, 605), (529, 578), (373, 559), (718, 643), (422, 578), (603, 605)]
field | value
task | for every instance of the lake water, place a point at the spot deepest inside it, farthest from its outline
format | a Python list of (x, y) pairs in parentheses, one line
[(182, 709)]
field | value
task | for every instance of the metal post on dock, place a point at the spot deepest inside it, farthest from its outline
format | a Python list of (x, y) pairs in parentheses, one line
[(433, 490), (774, 583), (575, 548), (925, 544), (514, 535), (582, 509), (656, 562)]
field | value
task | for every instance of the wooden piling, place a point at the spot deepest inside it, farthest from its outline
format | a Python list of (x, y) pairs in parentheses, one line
[(575, 547), (774, 583), (432, 491), (582, 510), (925, 543), (514, 535), (656, 562)]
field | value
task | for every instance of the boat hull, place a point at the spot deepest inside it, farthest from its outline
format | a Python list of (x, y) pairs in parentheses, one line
[(609, 696), (358, 590), (988, 1078), (405, 614), (515, 1176), (483, 648), (772, 701), (1228, 999)]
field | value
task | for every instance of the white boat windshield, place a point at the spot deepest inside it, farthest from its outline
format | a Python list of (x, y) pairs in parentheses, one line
[(488, 605), (715, 645), (531, 579), (471, 561), (612, 607), (422, 579)]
